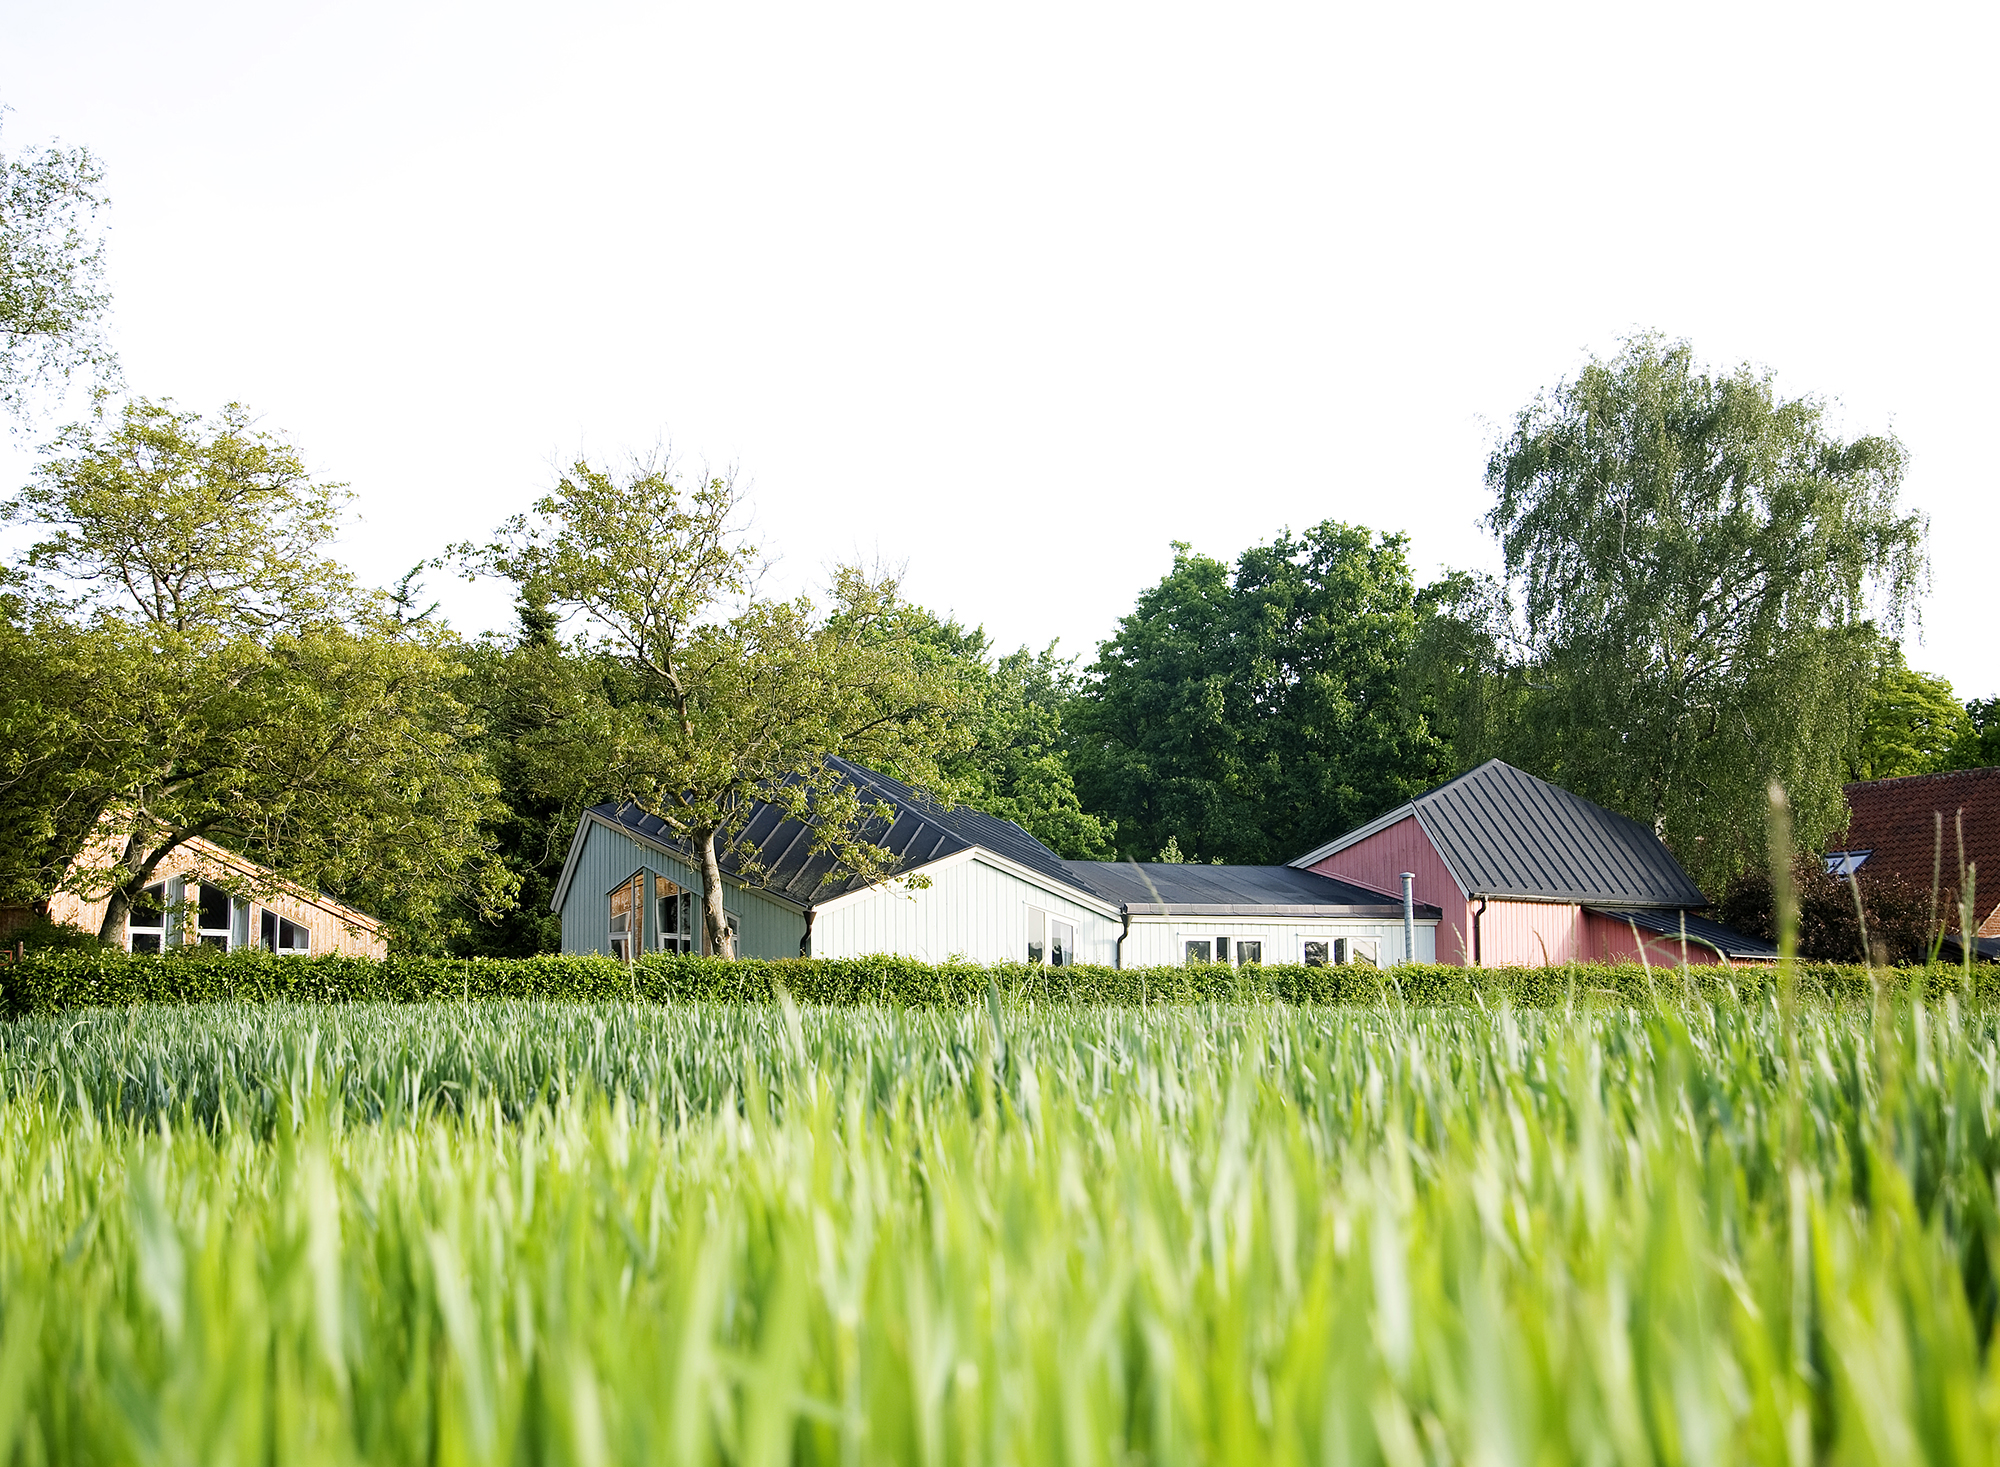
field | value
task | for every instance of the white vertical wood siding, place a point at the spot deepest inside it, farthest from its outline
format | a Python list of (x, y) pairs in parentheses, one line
[(971, 911), (1159, 941)]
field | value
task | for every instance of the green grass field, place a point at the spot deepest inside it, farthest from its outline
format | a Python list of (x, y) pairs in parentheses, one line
[(516, 1233)]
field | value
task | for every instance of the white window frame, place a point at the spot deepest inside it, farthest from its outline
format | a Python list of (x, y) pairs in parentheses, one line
[(135, 927), (1188, 943), (1365, 951), (226, 932), (279, 922), (1236, 950)]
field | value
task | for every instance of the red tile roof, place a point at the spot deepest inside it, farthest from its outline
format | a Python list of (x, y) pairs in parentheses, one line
[(1896, 820)]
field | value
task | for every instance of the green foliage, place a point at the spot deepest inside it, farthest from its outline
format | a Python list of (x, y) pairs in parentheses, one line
[(693, 699), (1693, 563), (52, 982), (1912, 723), (1016, 765), (52, 297), (1978, 744), (1250, 713), (1903, 920), (185, 662), (585, 1234)]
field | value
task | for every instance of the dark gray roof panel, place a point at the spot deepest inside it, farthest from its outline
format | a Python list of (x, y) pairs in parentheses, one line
[(1185, 888), (919, 833), (1701, 932), (1507, 834)]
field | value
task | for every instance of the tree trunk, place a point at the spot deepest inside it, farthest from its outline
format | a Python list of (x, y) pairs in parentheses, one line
[(714, 922), (119, 906)]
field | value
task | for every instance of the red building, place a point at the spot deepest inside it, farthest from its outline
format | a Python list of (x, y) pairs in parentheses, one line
[(1528, 874), (1929, 827)]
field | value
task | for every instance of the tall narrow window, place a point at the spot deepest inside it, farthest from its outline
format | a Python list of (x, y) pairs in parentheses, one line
[(624, 926), (1062, 942), (212, 913), (146, 925), (1038, 934), (675, 916)]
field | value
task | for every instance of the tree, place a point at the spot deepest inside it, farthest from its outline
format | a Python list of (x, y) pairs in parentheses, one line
[(1978, 743), (1247, 714), (1017, 764), (214, 675), (52, 296), (530, 699), (703, 698), (1695, 561), (1911, 724)]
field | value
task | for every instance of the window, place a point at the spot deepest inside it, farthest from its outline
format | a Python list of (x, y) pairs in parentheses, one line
[(1222, 949), (277, 934), (1845, 863), (1249, 952), (1366, 951), (675, 918), (1315, 955), (212, 910), (625, 911), (146, 925), (1200, 950), (1038, 932), (1062, 942)]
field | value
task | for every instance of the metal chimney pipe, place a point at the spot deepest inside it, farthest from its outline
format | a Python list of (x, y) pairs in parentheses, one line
[(1409, 917)]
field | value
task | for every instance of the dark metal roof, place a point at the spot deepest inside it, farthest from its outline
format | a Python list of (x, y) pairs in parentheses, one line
[(1233, 891), (1700, 931), (920, 832), (1505, 833)]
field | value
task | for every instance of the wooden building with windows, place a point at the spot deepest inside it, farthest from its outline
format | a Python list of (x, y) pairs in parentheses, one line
[(966, 886), (213, 897), (1526, 874)]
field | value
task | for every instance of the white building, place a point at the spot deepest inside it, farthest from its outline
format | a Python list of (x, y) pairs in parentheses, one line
[(967, 886)]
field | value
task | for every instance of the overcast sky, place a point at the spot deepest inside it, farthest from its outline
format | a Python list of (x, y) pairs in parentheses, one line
[(1018, 295)]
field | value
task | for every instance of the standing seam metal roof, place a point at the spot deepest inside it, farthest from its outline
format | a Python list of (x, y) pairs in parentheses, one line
[(920, 832), (1506, 833)]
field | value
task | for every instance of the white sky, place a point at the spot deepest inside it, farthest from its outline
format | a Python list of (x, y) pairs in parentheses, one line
[(1018, 295)]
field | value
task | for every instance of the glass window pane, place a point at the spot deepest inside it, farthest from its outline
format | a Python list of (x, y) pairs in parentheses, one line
[(1316, 955), (1200, 950), (267, 930), (145, 942), (1062, 943), (1249, 952), (214, 908)]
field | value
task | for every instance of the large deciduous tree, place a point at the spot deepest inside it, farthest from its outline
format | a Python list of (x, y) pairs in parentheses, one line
[(52, 296), (1248, 713), (693, 698), (208, 672), (1696, 564)]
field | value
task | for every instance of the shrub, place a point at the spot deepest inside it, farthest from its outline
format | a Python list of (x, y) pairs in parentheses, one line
[(1898, 913), (47, 983)]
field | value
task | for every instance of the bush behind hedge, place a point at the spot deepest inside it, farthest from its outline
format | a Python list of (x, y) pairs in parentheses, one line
[(51, 982)]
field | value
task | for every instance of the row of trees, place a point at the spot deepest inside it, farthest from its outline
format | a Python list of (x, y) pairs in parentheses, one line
[(1703, 588)]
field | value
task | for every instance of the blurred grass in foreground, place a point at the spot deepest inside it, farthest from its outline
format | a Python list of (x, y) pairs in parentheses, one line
[(517, 1232)]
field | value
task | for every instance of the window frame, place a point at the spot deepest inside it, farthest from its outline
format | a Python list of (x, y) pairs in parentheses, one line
[(276, 922), (155, 930)]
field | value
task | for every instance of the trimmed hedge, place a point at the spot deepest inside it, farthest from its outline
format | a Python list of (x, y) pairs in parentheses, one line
[(50, 982)]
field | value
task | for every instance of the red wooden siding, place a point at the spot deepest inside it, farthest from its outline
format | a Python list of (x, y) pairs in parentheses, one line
[(1528, 934), (1608, 941), (1377, 863)]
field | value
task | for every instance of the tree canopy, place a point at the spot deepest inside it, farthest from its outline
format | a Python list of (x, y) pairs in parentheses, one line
[(52, 297), (210, 672), (693, 698), (1912, 722), (1694, 569), (1246, 712)]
